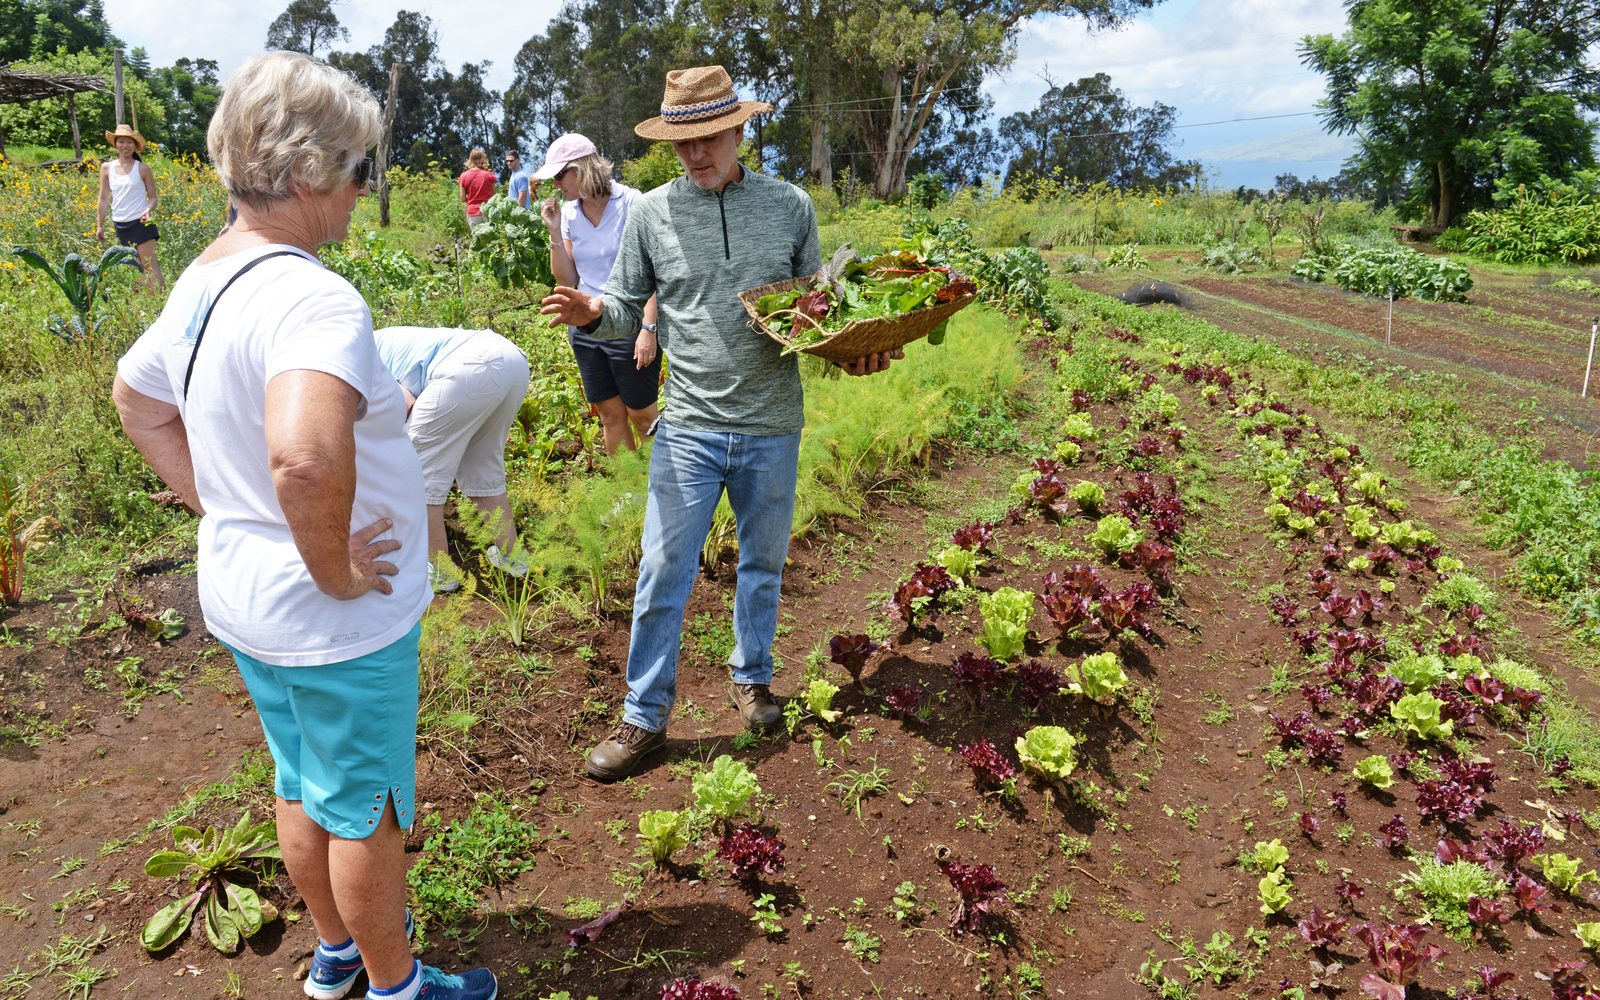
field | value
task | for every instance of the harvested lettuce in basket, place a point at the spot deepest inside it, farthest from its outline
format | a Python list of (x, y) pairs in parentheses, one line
[(849, 289)]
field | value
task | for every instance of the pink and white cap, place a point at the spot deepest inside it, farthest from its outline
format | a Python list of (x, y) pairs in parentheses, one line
[(563, 151)]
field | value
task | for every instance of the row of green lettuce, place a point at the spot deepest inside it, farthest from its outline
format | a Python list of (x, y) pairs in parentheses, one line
[(1545, 512)]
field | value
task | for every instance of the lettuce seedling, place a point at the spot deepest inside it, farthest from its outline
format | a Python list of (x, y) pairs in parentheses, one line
[(819, 700), (1089, 497), (725, 790), (1418, 672), (988, 767), (1514, 841), (1589, 934), (694, 989), (1098, 677), (852, 652), (1398, 954), (980, 889), (1068, 452), (977, 536), (1006, 613), (1418, 714), (1047, 752), (1039, 682), (1114, 535), (906, 702), (976, 675), (1562, 872), (1078, 425), (749, 852), (229, 911), (960, 563), (1321, 930), (920, 593), (1395, 834), (1274, 892), (1268, 856), (1374, 771), (662, 832)]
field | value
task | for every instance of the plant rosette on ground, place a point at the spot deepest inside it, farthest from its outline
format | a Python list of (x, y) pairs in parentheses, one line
[(1099, 677), (229, 911), (1048, 752), (1006, 614), (724, 791)]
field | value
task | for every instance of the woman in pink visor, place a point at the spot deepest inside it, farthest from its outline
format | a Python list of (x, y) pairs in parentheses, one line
[(621, 378)]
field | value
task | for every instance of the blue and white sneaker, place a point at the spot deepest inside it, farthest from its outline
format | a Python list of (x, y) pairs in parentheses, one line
[(478, 984), (331, 976)]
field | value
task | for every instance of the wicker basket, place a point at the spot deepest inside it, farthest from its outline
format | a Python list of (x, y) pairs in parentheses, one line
[(860, 337)]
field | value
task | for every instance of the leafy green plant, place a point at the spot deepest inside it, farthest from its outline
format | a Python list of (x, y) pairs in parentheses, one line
[(513, 244), (1098, 677), (724, 791), (960, 563), (1267, 857), (79, 281), (1375, 771), (861, 944), (1006, 613), (1418, 714), (1532, 228), (767, 916), (1447, 888), (1562, 872), (905, 905), (1088, 496), (1589, 934), (485, 850), (1047, 751), (1114, 535), (1127, 257), (1274, 892), (1079, 425), (819, 700), (662, 831), (1459, 591), (229, 911), (1418, 672), (1374, 269), (1513, 674)]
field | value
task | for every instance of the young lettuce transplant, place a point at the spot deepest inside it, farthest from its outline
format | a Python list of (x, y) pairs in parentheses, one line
[(1006, 614), (1398, 954), (1274, 892), (229, 911), (980, 889), (852, 652), (662, 832), (1088, 496), (976, 675), (1589, 934), (1418, 714), (695, 989), (749, 852), (1047, 752), (1114, 535), (819, 700), (1562, 872), (1099, 677), (725, 790), (960, 563), (1375, 771)]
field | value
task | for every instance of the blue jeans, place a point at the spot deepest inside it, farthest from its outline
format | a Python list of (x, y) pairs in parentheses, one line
[(688, 472)]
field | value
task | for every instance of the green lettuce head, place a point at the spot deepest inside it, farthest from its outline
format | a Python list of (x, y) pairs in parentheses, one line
[(1047, 752)]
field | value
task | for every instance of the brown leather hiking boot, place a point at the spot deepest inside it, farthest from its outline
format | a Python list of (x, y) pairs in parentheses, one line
[(756, 707), (620, 754)]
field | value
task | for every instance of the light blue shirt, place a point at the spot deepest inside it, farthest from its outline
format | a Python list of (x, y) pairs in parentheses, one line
[(517, 185), (413, 353)]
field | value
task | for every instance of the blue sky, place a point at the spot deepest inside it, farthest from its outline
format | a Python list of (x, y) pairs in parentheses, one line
[(1211, 59)]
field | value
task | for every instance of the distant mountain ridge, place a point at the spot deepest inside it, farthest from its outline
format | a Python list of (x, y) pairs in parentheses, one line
[(1303, 144)]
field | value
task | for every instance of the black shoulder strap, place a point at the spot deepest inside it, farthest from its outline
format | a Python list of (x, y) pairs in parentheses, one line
[(189, 373)]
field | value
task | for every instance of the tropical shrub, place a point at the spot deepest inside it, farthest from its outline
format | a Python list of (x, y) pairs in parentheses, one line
[(1532, 229)]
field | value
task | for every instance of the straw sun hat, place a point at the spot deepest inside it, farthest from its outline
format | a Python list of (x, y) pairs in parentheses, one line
[(126, 130), (699, 102)]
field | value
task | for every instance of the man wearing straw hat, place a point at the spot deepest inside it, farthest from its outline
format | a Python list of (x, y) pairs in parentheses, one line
[(733, 403)]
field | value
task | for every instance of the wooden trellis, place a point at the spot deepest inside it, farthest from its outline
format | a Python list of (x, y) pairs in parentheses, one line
[(17, 87)]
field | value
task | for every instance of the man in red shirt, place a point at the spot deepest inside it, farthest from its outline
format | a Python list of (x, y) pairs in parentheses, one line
[(477, 186)]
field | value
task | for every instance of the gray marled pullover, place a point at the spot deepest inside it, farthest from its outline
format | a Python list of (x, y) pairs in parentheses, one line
[(696, 250)]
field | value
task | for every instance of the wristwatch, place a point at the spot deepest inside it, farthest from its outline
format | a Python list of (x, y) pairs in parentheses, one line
[(648, 327)]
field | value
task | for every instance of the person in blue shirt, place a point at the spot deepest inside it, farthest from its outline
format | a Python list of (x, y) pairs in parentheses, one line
[(517, 188), (463, 389)]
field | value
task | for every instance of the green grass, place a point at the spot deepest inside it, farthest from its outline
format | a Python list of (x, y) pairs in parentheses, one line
[(249, 785)]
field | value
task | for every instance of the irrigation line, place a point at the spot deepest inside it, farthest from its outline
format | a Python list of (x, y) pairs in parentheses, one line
[(1339, 331)]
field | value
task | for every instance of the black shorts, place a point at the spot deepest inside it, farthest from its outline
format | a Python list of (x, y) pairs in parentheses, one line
[(131, 234), (608, 371)]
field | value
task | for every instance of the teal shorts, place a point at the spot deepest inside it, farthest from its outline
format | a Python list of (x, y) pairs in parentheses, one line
[(343, 735)]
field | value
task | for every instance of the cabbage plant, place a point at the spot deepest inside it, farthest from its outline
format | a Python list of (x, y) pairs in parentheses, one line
[(1047, 752)]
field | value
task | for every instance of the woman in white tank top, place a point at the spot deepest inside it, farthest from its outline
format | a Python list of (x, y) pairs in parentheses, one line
[(128, 190)]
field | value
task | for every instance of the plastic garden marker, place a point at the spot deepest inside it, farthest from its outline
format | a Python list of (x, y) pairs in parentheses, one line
[(1594, 328), (1391, 316)]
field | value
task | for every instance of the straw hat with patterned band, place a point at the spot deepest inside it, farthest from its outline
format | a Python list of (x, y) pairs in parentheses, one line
[(699, 102), (126, 130)]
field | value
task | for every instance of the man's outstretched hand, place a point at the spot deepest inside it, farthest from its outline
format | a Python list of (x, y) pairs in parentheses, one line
[(570, 306), (869, 364)]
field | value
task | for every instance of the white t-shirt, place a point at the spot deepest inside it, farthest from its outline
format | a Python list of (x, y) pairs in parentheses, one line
[(594, 248), (288, 313)]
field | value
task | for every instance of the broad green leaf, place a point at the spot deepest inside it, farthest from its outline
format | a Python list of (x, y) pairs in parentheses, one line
[(167, 864), (219, 926), (169, 923), (244, 908)]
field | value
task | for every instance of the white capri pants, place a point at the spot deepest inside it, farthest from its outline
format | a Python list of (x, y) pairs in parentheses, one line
[(460, 422)]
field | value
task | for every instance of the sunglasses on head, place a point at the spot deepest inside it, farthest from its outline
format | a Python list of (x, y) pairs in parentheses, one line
[(362, 171)]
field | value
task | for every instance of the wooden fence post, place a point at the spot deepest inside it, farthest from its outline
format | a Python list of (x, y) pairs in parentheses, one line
[(384, 141)]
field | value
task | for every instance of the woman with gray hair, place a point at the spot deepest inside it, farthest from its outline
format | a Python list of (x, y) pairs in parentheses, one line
[(260, 397)]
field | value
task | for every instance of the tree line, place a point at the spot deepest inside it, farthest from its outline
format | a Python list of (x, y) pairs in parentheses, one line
[(1452, 104)]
